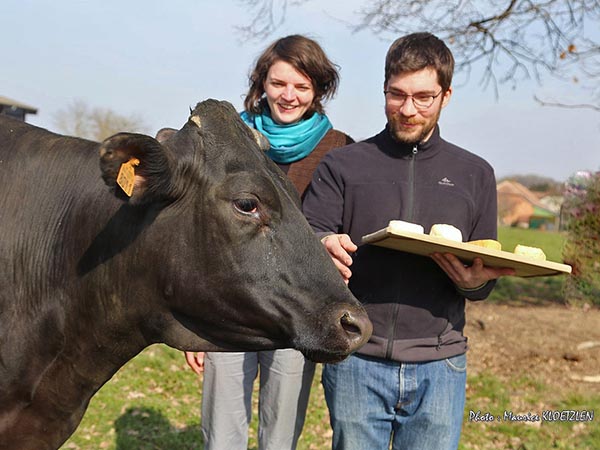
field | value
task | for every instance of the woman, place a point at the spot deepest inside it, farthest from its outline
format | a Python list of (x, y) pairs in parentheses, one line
[(290, 80)]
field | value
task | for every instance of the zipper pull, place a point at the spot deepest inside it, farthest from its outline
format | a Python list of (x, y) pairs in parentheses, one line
[(415, 150)]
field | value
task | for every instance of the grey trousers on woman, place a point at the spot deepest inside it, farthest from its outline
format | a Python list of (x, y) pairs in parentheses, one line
[(284, 387)]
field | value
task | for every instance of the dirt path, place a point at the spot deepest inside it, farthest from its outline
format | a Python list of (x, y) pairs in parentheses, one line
[(555, 344)]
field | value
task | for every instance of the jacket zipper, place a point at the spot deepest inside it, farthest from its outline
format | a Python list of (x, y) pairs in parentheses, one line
[(411, 184), (411, 201), (390, 342)]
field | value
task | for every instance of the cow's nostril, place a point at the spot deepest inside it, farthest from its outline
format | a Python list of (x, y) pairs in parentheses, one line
[(357, 327), (349, 324)]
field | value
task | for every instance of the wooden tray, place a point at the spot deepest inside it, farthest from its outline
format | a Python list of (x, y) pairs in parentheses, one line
[(423, 244)]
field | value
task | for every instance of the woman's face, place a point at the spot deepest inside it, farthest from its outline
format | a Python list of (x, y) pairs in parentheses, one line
[(289, 93)]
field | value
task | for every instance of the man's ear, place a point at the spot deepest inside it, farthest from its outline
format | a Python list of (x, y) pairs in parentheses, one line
[(137, 168), (446, 97)]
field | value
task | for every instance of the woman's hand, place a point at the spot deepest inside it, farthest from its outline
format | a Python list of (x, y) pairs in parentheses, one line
[(196, 361)]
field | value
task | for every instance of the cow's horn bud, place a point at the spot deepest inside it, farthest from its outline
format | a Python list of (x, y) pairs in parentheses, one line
[(261, 140), (196, 120)]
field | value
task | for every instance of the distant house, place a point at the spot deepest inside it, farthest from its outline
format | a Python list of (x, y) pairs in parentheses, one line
[(519, 207), (15, 109)]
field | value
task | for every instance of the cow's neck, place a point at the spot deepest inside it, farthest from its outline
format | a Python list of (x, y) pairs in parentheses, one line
[(67, 384)]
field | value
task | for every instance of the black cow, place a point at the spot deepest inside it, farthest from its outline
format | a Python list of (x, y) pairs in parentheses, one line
[(210, 252)]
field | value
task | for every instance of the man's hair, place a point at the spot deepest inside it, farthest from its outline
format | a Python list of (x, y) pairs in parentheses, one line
[(307, 57), (419, 51)]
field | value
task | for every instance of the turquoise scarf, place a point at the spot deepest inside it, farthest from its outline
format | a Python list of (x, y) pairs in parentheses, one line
[(291, 142)]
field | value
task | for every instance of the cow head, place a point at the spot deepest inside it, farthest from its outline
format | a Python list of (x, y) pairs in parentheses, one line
[(238, 267)]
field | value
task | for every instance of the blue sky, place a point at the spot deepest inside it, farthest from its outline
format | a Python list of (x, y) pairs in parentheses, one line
[(156, 59)]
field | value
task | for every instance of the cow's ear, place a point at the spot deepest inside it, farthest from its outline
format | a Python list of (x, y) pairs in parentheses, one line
[(164, 134), (136, 167)]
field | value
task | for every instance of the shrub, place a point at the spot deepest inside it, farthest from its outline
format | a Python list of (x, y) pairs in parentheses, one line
[(582, 247)]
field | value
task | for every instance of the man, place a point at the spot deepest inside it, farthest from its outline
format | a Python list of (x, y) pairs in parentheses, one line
[(407, 384)]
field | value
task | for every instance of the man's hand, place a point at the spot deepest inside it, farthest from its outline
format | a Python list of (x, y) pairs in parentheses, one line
[(196, 361), (339, 247), (466, 277)]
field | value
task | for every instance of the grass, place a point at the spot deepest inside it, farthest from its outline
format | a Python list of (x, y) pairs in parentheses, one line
[(551, 242), (525, 398), (154, 402), (539, 290)]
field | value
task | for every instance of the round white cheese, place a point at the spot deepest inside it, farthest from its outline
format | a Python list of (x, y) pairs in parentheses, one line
[(446, 231), (530, 252), (401, 226)]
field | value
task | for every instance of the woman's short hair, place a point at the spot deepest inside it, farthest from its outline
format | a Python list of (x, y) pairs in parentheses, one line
[(419, 51), (307, 57)]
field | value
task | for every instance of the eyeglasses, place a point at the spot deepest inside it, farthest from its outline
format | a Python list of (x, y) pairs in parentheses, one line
[(420, 101)]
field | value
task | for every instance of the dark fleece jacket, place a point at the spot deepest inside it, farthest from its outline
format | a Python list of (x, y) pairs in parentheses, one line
[(418, 314)]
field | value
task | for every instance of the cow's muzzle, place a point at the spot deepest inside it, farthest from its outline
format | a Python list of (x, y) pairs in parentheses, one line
[(345, 329)]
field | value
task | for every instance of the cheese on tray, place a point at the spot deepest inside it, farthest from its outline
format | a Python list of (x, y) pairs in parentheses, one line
[(530, 252), (445, 231), (487, 243), (401, 226)]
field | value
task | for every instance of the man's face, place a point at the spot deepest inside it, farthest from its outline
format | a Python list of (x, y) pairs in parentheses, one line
[(410, 123)]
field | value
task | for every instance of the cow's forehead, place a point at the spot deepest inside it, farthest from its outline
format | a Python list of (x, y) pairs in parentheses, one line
[(212, 112), (222, 121), (215, 143), (214, 131)]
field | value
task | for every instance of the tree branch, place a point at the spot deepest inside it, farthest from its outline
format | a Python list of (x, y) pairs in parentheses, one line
[(569, 106)]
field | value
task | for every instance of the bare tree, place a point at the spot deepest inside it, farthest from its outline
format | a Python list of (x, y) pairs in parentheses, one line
[(511, 40), (266, 19), (79, 119)]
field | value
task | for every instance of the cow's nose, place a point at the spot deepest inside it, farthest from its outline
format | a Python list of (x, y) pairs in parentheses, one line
[(342, 328), (356, 326)]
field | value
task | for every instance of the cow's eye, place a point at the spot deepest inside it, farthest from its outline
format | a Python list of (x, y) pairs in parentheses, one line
[(246, 205)]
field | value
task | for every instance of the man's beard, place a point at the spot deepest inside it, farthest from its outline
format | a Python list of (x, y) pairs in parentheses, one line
[(411, 138)]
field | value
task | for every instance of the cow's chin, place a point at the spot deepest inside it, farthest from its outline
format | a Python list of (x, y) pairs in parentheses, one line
[(187, 333), (319, 356)]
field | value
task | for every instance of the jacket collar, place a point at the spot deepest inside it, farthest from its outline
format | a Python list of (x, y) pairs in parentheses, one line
[(424, 149)]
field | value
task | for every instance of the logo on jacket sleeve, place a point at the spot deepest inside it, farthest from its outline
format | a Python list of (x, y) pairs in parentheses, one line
[(445, 182)]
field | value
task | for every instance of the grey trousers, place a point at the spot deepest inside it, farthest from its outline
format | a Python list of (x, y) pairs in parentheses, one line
[(285, 381)]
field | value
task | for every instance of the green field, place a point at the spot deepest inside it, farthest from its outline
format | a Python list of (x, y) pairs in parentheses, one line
[(541, 290), (154, 401), (552, 243)]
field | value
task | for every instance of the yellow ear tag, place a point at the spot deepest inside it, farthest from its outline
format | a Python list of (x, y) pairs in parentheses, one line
[(126, 176)]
